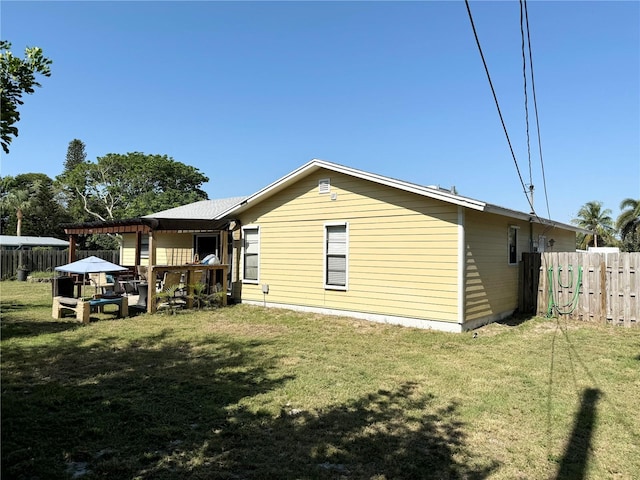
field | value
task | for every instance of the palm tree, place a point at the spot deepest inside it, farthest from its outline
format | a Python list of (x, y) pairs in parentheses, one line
[(592, 217), (628, 223), (17, 199)]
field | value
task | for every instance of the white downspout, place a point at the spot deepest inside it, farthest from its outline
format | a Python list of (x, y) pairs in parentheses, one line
[(461, 266)]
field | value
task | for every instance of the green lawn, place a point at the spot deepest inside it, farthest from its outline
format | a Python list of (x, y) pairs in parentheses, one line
[(248, 393)]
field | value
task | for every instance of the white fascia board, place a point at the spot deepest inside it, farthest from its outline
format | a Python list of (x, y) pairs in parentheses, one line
[(269, 189), (316, 164), (532, 217)]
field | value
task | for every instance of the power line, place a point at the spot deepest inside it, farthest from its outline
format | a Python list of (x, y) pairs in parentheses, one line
[(526, 96), (495, 99), (535, 105)]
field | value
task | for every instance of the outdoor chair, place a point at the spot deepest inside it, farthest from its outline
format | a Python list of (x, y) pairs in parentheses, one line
[(172, 292), (101, 282), (173, 279), (142, 272), (141, 304)]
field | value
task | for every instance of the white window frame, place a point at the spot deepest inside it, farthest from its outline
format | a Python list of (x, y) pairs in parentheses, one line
[(144, 246), (329, 286), (244, 254), (515, 229)]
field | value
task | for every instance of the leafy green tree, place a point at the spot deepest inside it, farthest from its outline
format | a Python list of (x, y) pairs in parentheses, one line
[(628, 224), (120, 186), (18, 76), (29, 206), (593, 217)]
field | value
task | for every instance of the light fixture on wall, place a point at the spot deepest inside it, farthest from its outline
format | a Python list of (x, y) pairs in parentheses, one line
[(551, 242)]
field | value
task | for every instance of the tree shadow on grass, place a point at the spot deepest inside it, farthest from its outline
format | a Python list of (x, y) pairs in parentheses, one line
[(116, 410), (14, 324), (161, 409), (383, 435)]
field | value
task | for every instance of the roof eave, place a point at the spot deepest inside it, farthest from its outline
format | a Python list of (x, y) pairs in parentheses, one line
[(316, 164), (532, 217)]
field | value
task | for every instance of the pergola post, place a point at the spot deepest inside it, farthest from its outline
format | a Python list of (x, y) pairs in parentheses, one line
[(72, 248), (138, 247), (151, 278)]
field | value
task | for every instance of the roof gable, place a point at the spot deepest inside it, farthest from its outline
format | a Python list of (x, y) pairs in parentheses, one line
[(429, 192)]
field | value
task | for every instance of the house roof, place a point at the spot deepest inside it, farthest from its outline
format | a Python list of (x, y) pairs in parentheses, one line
[(14, 241), (202, 210), (197, 216), (429, 192)]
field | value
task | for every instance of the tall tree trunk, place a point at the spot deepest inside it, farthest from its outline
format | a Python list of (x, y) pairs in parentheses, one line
[(19, 224)]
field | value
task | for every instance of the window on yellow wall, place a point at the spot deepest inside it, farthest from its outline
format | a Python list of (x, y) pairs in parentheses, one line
[(144, 246), (251, 254), (336, 256), (513, 245)]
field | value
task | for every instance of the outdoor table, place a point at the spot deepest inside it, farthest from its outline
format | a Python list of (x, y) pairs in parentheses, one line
[(82, 308), (123, 305)]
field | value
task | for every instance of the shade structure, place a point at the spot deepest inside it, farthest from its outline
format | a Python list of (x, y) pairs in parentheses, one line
[(90, 264)]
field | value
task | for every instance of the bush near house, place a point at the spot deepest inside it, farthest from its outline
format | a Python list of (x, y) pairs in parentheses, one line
[(247, 392)]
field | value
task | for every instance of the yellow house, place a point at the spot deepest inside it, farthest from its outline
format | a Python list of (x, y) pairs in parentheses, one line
[(332, 239)]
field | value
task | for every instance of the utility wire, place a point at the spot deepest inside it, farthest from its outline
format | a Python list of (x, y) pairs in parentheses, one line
[(495, 98), (535, 105), (526, 96)]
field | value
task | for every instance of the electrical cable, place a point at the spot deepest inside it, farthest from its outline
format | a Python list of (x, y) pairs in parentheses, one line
[(495, 99), (535, 106), (526, 96)]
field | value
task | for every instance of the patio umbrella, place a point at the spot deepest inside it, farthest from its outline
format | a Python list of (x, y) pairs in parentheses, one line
[(90, 264)]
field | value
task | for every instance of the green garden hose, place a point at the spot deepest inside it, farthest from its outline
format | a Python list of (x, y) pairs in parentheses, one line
[(553, 305)]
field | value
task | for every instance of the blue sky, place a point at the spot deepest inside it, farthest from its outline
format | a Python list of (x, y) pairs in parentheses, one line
[(248, 91)]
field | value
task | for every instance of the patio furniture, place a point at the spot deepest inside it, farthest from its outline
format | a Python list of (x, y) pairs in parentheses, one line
[(142, 272), (82, 308), (101, 282), (143, 294)]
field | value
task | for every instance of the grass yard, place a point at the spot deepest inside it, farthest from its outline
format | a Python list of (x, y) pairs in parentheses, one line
[(248, 393)]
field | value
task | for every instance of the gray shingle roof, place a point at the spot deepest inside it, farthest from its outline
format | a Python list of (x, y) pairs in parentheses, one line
[(202, 210)]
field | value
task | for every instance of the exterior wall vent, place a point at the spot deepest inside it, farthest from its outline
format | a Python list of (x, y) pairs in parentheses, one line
[(324, 185)]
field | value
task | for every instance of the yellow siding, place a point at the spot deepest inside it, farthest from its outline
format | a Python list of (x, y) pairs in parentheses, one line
[(171, 249), (491, 284), (402, 249), (128, 250)]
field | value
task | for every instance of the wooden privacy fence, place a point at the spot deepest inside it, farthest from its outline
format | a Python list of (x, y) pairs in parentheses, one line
[(590, 286), (45, 260)]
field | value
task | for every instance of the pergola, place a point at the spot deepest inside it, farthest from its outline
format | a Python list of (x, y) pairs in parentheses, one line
[(150, 227)]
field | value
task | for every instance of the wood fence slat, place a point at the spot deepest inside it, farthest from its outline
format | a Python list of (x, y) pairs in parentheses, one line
[(609, 291), (634, 294)]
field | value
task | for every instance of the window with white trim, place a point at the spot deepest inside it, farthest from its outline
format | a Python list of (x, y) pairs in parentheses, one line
[(251, 254), (336, 261), (513, 245)]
